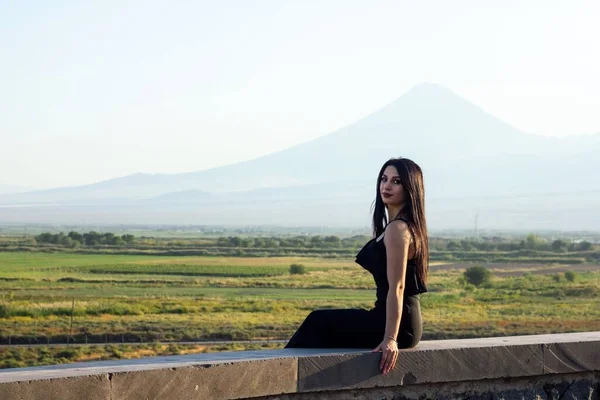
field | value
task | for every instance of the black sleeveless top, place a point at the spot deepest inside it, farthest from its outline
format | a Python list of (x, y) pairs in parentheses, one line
[(372, 257)]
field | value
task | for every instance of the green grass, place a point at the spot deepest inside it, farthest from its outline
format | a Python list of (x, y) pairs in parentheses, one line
[(189, 270), (28, 265), (129, 291), (24, 261)]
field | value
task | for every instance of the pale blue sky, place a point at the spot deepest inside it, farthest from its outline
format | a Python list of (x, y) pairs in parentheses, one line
[(96, 90)]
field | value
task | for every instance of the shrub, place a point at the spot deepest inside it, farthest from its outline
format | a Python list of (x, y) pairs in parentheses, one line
[(70, 353), (477, 275), (10, 363), (5, 311), (116, 353), (297, 269), (570, 276)]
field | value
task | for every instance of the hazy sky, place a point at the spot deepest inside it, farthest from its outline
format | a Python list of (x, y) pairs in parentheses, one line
[(95, 90)]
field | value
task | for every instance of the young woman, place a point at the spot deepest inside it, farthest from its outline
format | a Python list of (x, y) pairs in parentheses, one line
[(397, 257)]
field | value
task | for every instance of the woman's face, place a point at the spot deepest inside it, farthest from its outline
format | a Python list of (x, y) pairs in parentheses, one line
[(390, 187)]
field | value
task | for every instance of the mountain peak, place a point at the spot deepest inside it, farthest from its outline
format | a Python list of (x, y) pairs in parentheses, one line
[(431, 94), (424, 102), (429, 88)]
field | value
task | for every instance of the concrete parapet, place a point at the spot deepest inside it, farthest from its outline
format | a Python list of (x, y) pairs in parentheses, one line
[(542, 363)]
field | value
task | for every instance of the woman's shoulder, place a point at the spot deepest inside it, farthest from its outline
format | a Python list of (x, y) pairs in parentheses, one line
[(397, 224), (398, 229)]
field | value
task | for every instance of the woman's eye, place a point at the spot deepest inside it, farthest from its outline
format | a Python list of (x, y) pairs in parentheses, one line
[(397, 181)]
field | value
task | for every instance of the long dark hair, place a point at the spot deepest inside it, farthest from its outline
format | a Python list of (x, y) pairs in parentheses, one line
[(413, 212)]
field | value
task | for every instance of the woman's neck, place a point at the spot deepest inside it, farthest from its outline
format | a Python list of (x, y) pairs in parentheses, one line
[(394, 212)]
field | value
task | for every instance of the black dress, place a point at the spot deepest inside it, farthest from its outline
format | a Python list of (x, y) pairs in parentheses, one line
[(360, 328)]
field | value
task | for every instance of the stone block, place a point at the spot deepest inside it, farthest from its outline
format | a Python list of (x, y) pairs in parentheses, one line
[(217, 381), (78, 388), (331, 372), (560, 358)]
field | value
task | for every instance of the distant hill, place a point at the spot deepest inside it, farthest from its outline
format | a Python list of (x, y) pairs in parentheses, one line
[(474, 163)]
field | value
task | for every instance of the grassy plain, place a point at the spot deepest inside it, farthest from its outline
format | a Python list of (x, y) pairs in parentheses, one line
[(125, 298)]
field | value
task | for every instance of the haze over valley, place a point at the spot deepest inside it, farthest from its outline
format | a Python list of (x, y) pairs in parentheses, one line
[(474, 164)]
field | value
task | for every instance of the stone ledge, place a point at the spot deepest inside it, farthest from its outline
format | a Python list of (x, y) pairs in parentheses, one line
[(234, 375)]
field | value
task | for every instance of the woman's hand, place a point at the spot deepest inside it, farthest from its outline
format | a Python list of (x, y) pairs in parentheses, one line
[(389, 354)]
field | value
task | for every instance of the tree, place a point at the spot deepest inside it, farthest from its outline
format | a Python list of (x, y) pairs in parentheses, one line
[(127, 238), (297, 241), (316, 241), (108, 237), (533, 241), (585, 246), (332, 241), (466, 245), (61, 238), (559, 245), (477, 275), (92, 238), (272, 243), (44, 237), (76, 236), (117, 241), (453, 246)]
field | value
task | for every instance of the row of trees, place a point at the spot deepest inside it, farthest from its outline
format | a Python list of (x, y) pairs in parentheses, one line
[(296, 242), (536, 242), (531, 242), (76, 239)]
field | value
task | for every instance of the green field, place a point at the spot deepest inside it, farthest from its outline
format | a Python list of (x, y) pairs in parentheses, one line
[(160, 298)]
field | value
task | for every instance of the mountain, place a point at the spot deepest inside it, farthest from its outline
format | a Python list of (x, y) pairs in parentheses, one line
[(473, 163)]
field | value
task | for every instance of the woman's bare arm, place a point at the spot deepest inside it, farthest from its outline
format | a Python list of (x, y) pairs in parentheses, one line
[(397, 243)]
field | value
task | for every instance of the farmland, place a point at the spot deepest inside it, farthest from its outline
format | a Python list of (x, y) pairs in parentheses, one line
[(116, 300)]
